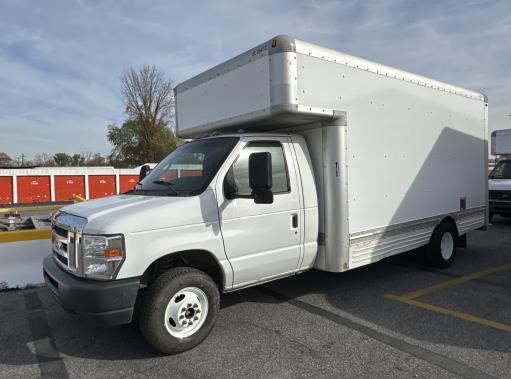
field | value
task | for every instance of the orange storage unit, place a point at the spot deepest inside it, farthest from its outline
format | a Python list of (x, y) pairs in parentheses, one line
[(168, 175), (5, 189), (127, 182), (191, 172), (101, 186), (33, 189), (67, 186)]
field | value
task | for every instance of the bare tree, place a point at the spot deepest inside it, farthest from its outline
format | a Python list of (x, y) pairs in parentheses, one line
[(149, 100), (148, 95), (5, 160), (44, 159)]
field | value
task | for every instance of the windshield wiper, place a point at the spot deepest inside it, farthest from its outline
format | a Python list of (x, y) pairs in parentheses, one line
[(166, 184)]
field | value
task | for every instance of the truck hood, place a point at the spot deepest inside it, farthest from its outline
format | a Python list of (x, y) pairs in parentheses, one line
[(136, 213), (499, 184)]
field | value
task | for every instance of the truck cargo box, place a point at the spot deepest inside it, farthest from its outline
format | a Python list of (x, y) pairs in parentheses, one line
[(410, 150)]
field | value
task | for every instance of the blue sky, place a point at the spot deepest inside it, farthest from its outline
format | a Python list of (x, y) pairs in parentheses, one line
[(60, 61)]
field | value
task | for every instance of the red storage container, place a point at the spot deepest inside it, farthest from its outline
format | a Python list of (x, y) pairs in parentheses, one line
[(33, 189), (5, 189), (127, 182), (67, 186), (168, 175), (191, 173), (101, 186)]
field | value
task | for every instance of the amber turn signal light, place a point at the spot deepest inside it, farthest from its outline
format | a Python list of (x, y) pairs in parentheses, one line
[(113, 253)]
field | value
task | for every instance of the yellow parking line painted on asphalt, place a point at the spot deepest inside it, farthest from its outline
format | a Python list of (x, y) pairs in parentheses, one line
[(409, 298), (25, 235), (452, 313), (35, 208), (454, 282)]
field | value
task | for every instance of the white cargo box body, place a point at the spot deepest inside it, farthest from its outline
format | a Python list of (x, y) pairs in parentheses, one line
[(407, 152), (501, 142)]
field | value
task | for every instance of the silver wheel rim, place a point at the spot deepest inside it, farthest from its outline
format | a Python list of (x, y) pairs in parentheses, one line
[(446, 245), (186, 312)]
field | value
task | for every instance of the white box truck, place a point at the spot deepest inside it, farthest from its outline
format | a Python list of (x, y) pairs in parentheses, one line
[(500, 177), (307, 158)]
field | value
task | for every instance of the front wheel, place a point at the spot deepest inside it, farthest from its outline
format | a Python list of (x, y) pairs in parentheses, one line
[(179, 310), (441, 250)]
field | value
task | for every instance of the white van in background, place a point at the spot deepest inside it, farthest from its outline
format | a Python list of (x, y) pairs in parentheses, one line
[(500, 177)]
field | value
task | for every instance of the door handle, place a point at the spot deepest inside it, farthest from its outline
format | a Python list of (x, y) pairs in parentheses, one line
[(294, 221)]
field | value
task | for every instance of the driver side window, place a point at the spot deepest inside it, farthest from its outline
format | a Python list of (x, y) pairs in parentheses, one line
[(237, 176)]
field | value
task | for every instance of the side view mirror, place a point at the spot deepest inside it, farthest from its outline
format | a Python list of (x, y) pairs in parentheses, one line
[(260, 177), (144, 170)]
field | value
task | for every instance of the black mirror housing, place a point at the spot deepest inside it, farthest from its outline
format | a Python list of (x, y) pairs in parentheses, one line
[(259, 171), (260, 177), (263, 197), (144, 170)]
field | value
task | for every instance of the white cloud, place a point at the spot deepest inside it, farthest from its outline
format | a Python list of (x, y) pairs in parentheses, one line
[(60, 61)]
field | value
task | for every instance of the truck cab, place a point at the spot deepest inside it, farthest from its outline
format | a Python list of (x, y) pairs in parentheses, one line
[(240, 209), (500, 189)]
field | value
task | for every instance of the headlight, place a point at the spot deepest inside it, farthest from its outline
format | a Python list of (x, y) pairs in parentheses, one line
[(102, 256)]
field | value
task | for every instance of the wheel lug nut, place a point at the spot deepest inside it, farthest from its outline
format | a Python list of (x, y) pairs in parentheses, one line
[(189, 305), (181, 317), (195, 305), (183, 310), (197, 311), (196, 318)]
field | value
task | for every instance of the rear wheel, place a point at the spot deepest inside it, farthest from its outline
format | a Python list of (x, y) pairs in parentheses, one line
[(441, 250), (179, 310)]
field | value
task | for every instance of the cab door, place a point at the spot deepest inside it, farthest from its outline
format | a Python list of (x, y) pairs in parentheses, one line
[(262, 241)]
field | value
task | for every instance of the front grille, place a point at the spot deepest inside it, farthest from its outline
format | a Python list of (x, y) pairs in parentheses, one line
[(64, 248), (66, 240), (62, 259), (500, 195), (60, 231)]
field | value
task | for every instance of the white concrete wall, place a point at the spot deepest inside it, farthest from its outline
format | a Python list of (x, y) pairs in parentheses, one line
[(21, 263)]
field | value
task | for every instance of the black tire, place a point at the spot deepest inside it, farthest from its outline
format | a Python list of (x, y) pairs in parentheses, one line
[(160, 293), (490, 217), (433, 249)]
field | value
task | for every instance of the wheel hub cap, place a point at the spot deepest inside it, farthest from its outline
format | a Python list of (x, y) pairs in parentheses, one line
[(186, 312), (446, 246)]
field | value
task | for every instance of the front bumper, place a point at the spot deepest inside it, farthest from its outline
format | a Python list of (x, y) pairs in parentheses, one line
[(107, 303), (500, 207)]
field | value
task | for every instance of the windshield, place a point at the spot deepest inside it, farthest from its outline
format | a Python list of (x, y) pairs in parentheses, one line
[(188, 169), (502, 170)]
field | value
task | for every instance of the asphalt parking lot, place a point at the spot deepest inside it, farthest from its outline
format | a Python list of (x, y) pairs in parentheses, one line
[(395, 318)]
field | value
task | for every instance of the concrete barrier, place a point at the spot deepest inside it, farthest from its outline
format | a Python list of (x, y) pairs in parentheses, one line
[(21, 257)]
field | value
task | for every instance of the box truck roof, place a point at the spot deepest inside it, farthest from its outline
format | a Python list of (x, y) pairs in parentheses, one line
[(283, 43), (286, 82)]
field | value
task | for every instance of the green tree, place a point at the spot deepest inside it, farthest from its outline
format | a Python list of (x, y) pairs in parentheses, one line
[(149, 104), (97, 160), (131, 149), (62, 159), (77, 160)]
